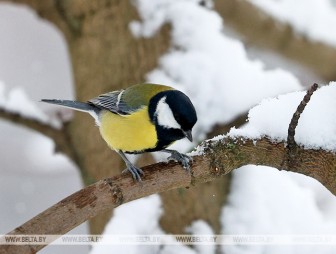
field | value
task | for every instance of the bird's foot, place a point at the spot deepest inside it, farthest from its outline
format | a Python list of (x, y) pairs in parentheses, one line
[(184, 159), (136, 172)]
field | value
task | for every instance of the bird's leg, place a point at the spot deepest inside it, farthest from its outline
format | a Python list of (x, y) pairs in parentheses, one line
[(136, 172), (184, 159)]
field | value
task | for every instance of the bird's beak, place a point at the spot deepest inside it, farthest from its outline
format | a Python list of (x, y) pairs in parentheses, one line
[(188, 135)]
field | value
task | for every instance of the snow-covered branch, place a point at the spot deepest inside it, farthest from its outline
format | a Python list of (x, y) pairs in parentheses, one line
[(59, 136), (218, 157), (281, 34), (212, 159)]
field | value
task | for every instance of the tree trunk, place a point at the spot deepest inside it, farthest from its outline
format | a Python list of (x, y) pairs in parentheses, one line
[(105, 56)]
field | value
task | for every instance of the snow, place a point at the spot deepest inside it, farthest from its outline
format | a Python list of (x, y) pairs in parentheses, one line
[(198, 150), (313, 18), (18, 102), (206, 64), (141, 217), (316, 127), (200, 227), (263, 200), (137, 217)]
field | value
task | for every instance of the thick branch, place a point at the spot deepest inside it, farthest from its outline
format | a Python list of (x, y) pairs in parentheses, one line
[(58, 136), (219, 158), (262, 30)]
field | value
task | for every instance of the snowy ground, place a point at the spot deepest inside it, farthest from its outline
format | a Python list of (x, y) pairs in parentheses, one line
[(215, 71)]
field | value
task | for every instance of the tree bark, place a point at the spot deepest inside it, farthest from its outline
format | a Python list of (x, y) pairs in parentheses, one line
[(105, 57)]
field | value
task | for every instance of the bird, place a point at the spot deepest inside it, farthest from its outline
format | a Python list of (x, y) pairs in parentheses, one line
[(141, 118)]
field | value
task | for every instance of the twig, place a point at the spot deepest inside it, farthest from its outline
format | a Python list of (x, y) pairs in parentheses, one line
[(220, 158), (291, 144)]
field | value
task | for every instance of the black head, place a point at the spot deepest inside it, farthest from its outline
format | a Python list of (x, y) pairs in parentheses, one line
[(172, 110)]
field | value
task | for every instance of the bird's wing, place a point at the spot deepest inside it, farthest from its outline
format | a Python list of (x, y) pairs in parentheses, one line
[(114, 102), (124, 102)]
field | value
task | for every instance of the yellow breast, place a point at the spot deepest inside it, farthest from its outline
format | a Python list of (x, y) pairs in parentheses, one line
[(130, 133)]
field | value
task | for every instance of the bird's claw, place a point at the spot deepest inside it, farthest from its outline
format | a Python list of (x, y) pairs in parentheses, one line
[(184, 159), (136, 172)]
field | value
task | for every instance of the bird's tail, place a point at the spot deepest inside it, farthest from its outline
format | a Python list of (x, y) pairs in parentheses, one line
[(81, 106)]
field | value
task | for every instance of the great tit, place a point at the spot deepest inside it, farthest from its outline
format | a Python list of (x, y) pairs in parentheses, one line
[(141, 118)]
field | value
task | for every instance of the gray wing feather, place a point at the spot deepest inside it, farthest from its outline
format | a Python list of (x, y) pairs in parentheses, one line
[(113, 101)]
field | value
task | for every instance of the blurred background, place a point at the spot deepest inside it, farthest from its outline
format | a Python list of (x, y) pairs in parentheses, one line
[(227, 55)]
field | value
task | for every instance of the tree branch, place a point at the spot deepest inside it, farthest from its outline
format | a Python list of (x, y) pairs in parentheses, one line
[(219, 158), (262, 30), (58, 136), (296, 116)]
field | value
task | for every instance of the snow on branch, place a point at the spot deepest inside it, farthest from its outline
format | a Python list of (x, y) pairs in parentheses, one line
[(58, 136), (215, 158)]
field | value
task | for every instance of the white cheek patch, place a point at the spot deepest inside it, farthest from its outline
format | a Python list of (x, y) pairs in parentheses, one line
[(165, 115)]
